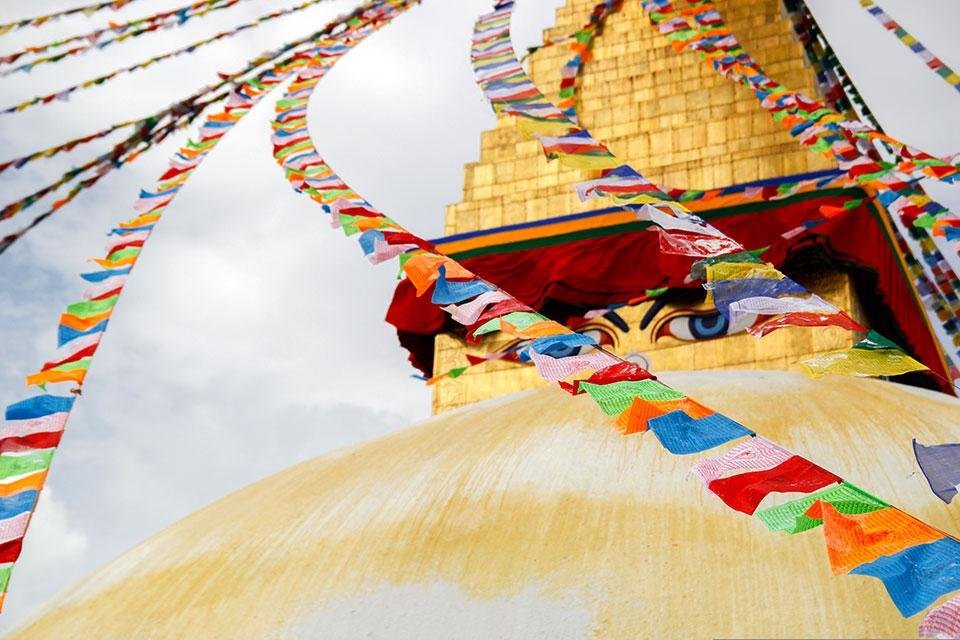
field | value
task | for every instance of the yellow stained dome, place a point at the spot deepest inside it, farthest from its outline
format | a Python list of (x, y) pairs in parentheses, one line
[(528, 516)]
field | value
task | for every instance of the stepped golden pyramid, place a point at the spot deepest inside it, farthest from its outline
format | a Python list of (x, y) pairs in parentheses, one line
[(528, 515)]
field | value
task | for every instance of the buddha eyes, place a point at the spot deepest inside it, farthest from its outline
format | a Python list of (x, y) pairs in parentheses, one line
[(686, 324), (690, 325)]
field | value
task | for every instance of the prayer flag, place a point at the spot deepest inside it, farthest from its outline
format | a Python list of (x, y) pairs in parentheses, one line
[(793, 517), (682, 434), (856, 539), (744, 492), (940, 465), (917, 576)]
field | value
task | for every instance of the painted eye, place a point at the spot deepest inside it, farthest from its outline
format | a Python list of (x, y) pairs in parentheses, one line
[(701, 326)]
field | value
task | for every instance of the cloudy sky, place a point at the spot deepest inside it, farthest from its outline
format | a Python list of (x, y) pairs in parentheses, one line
[(251, 336)]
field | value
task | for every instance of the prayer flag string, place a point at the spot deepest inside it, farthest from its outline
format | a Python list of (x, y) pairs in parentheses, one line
[(87, 10), (65, 93), (850, 143), (125, 31), (34, 426), (511, 91), (917, 563), (159, 126), (949, 76), (834, 82)]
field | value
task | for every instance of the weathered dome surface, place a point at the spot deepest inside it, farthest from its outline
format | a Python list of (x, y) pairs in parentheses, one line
[(528, 517)]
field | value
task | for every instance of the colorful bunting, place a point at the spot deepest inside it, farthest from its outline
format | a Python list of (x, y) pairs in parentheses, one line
[(822, 130), (125, 31), (621, 389), (833, 80), (38, 21), (34, 426), (580, 45), (680, 232), (155, 129), (950, 76), (65, 93)]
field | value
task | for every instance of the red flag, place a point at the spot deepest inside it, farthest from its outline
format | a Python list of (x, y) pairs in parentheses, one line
[(745, 491)]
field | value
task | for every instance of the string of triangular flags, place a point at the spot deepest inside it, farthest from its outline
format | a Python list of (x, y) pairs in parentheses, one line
[(737, 281), (153, 130), (864, 534), (65, 93), (122, 32), (581, 46), (816, 127), (849, 143), (34, 426), (87, 10), (581, 43), (950, 76), (70, 145), (834, 82), (934, 279)]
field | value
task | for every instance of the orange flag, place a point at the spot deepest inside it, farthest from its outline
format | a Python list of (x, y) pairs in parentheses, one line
[(856, 539)]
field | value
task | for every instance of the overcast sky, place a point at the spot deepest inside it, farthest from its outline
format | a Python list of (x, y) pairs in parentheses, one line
[(251, 336)]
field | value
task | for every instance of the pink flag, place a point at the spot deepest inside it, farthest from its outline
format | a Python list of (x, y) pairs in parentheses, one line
[(942, 622), (14, 528), (756, 454), (554, 369), (467, 313), (46, 424)]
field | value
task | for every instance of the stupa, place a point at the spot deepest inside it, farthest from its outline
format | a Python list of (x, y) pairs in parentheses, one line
[(525, 514)]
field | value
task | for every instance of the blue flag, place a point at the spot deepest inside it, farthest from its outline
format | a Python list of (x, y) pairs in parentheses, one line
[(917, 576), (39, 406), (681, 434)]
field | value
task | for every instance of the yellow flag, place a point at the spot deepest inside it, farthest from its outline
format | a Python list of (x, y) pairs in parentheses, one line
[(865, 363), (583, 161)]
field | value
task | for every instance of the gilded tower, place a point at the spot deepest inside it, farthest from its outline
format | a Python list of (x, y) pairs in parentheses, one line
[(680, 123)]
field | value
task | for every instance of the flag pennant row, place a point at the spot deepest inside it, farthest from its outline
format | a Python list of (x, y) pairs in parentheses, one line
[(752, 468), (33, 427), (94, 40), (65, 93), (937, 65), (580, 45), (697, 26), (87, 10), (147, 133), (833, 80), (681, 233)]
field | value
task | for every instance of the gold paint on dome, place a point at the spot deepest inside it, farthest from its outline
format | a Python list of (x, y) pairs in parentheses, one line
[(536, 508)]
